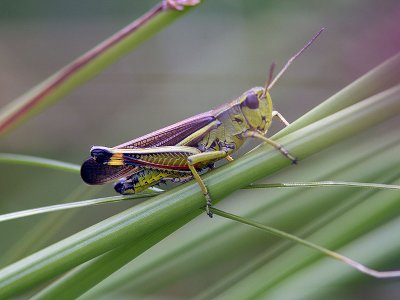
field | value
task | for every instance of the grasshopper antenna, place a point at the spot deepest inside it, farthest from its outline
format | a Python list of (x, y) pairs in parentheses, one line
[(270, 83), (270, 77)]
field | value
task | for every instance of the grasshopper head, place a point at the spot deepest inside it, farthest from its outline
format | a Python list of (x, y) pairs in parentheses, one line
[(256, 106)]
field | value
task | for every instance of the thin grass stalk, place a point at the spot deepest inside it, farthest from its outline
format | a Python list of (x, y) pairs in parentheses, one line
[(380, 240), (87, 66), (27, 160)]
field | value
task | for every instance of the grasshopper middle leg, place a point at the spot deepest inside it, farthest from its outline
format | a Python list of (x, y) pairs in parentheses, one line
[(202, 158)]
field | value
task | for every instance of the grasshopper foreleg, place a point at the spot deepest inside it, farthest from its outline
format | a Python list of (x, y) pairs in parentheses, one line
[(277, 146), (280, 117), (202, 158)]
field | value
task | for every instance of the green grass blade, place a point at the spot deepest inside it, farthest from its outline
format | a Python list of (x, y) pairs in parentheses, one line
[(95, 270), (65, 206), (27, 160), (44, 231), (187, 199)]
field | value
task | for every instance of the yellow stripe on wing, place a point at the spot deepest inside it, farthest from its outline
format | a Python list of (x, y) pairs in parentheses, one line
[(116, 160)]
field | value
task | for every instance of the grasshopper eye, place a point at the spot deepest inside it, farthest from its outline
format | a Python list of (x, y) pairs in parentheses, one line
[(251, 101)]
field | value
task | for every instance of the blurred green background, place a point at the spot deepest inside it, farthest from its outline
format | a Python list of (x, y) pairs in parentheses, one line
[(206, 58)]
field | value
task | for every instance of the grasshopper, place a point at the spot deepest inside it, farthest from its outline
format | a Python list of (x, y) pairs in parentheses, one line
[(183, 150)]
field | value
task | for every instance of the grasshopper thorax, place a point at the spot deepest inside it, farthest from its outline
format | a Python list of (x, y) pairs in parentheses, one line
[(256, 107)]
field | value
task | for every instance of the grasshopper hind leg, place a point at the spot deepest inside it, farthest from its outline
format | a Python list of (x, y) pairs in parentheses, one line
[(147, 178), (139, 181)]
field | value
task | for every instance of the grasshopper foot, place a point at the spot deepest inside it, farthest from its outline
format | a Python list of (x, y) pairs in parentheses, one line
[(292, 158), (119, 187), (287, 154), (124, 187)]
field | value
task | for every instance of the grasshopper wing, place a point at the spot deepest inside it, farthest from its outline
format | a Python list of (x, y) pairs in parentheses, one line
[(170, 135), (96, 173)]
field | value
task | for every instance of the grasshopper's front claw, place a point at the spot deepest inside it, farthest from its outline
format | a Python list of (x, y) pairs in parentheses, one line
[(287, 154)]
